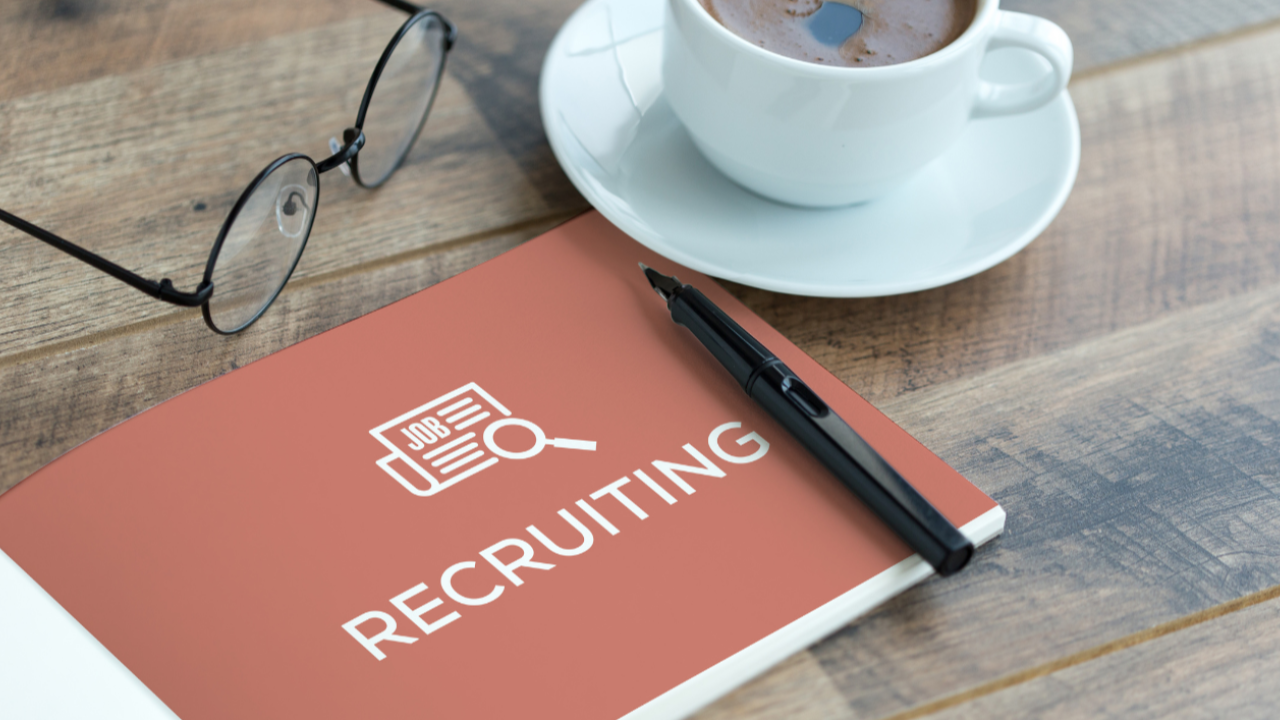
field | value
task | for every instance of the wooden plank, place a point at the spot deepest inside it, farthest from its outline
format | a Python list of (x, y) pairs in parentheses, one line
[(797, 690), (118, 202), (501, 76), (1223, 668), (1177, 204), (58, 401), (1106, 31), (121, 194), (1141, 476), (124, 165), (46, 44)]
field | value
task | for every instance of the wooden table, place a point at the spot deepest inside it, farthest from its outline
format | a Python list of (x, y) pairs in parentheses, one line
[(1116, 386)]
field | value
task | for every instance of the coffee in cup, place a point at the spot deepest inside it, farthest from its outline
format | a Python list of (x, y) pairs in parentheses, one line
[(849, 33)]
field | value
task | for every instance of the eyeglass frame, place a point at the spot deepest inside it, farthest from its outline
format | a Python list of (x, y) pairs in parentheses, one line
[(353, 140)]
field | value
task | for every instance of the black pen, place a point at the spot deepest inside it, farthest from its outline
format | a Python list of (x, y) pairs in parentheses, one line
[(822, 432)]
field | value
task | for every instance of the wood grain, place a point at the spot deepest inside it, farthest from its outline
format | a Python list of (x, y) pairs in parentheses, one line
[(173, 126), (797, 689), (46, 44), (1141, 476), (1105, 32), (501, 77), (141, 153), (1224, 668)]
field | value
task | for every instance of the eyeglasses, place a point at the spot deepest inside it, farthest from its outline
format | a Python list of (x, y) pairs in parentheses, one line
[(266, 231)]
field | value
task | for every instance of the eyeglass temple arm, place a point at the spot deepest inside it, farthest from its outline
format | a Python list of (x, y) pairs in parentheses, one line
[(403, 6), (162, 290), (412, 9)]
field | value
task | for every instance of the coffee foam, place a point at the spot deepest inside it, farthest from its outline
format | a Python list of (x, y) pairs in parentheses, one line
[(893, 31)]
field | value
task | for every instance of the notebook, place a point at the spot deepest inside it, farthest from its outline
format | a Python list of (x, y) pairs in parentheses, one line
[(523, 492)]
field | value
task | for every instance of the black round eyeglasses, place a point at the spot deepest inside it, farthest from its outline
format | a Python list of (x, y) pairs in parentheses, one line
[(266, 231)]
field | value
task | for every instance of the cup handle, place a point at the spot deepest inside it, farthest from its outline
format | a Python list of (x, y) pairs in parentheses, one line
[(1046, 39)]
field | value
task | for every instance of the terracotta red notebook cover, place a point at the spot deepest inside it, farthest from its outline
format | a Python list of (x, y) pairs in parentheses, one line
[(523, 492)]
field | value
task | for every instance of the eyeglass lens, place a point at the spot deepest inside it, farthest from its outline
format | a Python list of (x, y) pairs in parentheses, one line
[(401, 99), (262, 244)]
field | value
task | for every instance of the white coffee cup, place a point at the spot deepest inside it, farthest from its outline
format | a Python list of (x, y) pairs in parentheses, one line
[(823, 136)]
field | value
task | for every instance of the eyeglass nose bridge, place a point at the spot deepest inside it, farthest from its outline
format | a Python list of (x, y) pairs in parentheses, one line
[(353, 140)]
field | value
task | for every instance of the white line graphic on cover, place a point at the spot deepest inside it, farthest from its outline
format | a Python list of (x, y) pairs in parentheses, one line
[(540, 440), (444, 442)]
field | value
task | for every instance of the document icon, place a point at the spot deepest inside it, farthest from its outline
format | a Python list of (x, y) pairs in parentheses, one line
[(452, 438), (438, 440)]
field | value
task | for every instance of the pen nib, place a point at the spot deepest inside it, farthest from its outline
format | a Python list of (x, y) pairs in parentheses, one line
[(664, 285)]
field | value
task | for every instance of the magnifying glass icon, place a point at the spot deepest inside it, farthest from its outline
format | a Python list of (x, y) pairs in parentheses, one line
[(540, 440)]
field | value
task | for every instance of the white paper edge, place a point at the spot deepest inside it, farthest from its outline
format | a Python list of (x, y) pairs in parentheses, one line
[(52, 668), (722, 678)]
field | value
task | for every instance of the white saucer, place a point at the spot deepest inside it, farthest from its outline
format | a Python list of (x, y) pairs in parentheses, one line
[(617, 139)]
